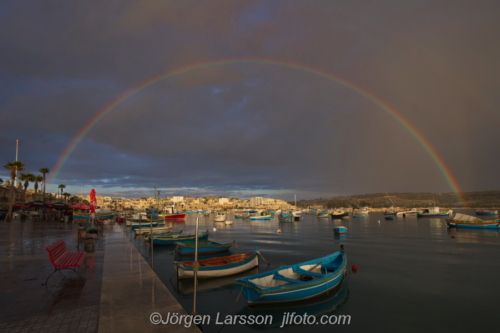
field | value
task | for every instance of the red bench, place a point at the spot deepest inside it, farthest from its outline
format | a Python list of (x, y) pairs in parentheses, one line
[(61, 258)]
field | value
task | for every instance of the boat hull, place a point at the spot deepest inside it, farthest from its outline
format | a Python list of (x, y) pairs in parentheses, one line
[(340, 230), (264, 217), (206, 272), (174, 216), (283, 284), (487, 213), (186, 249), (339, 215), (443, 214), (493, 224), (180, 238), (156, 230)]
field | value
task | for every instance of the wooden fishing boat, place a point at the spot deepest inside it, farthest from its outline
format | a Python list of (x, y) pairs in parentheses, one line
[(358, 215), (173, 216), (162, 239), (163, 234), (261, 217), (471, 222), (156, 230), (186, 248), (136, 224), (220, 217), (434, 212), (296, 282), (486, 212), (340, 230), (217, 267), (338, 214), (405, 213), (285, 217), (322, 214)]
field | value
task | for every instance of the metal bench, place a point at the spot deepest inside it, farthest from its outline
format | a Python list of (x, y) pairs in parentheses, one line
[(61, 258)]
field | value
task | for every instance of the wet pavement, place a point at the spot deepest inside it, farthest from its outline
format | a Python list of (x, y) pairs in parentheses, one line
[(118, 290), (65, 304)]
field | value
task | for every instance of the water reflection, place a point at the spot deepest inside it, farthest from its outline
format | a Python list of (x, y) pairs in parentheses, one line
[(186, 286)]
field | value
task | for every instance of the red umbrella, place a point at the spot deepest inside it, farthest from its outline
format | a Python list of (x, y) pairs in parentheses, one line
[(93, 201)]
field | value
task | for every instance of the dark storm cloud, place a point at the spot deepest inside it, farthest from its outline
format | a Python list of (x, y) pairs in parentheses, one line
[(249, 128)]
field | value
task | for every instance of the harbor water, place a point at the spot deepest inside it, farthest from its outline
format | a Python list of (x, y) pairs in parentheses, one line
[(413, 274)]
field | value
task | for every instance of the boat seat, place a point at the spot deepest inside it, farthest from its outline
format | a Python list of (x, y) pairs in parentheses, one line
[(299, 270), (330, 267), (278, 276)]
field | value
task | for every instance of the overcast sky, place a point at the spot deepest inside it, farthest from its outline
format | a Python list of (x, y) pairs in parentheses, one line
[(250, 128)]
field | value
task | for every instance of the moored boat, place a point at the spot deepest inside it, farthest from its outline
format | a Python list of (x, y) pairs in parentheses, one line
[(434, 212), (405, 213), (338, 214), (322, 214), (219, 266), (161, 239), (285, 217), (220, 217), (156, 230), (187, 248), (295, 282), (486, 212), (173, 216), (340, 230), (471, 222), (262, 217), (389, 217)]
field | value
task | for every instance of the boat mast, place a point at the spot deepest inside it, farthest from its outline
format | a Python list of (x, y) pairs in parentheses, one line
[(195, 266)]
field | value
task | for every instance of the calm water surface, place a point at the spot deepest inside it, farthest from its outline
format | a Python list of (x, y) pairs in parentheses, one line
[(413, 274)]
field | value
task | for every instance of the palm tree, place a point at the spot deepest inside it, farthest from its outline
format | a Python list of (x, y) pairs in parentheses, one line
[(38, 179), (27, 177), (44, 171), (62, 187), (66, 195), (14, 167)]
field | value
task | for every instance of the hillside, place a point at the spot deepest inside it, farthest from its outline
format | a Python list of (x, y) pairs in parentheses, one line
[(480, 199)]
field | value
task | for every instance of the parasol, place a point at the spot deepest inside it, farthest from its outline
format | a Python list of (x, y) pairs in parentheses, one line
[(93, 205)]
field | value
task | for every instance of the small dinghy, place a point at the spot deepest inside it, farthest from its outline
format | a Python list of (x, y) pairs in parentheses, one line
[(217, 267), (295, 282)]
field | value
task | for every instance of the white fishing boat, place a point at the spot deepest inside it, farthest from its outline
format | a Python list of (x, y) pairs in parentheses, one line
[(156, 230), (218, 266), (404, 213), (220, 217)]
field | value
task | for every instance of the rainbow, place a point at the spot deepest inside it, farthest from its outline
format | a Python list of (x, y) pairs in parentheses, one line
[(445, 170)]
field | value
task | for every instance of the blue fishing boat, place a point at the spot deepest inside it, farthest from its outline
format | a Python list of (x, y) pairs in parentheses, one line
[(296, 282), (261, 217), (145, 224), (285, 217), (160, 239), (471, 222), (340, 230), (486, 212), (322, 214), (218, 266), (389, 217), (187, 248)]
